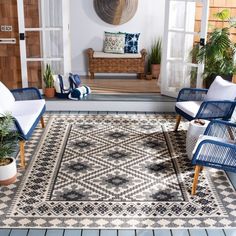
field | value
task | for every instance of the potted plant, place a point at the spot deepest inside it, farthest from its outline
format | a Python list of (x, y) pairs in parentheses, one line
[(49, 82), (218, 54), (8, 141), (154, 60)]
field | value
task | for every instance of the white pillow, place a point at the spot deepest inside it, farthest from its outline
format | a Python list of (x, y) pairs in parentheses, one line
[(114, 43), (7, 100), (221, 89)]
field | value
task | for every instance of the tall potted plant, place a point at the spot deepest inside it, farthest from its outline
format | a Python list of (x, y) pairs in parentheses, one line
[(8, 141), (154, 60), (218, 54), (49, 82)]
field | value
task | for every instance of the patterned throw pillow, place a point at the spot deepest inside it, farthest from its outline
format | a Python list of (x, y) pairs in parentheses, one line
[(114, 42), (131, 43)]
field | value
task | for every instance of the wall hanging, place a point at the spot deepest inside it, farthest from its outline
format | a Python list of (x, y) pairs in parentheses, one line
[(115, 12)]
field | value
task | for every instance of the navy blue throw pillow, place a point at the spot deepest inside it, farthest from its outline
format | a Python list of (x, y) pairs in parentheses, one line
[(131, 42)]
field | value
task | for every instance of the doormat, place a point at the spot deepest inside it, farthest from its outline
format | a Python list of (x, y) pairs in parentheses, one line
[(119, 171)]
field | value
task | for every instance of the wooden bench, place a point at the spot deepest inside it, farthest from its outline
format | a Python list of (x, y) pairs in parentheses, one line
[(100, 62)]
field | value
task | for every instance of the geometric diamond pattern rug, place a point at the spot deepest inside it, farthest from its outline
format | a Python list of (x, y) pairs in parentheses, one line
[(114, 171)]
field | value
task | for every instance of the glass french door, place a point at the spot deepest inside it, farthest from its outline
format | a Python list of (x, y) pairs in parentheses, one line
[(185, 24), (44, 39)]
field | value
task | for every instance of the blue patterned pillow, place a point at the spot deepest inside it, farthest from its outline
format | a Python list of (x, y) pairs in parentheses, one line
[(131, 42)]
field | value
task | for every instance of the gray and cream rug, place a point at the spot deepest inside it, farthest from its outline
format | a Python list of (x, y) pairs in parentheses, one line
[(114, 171)]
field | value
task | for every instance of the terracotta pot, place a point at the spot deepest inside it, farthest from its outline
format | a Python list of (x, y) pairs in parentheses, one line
[(234, 79), (8, 173), (49, 92), (155, 70)]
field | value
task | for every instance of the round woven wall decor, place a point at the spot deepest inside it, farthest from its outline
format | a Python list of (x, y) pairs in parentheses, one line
[(115, 12)]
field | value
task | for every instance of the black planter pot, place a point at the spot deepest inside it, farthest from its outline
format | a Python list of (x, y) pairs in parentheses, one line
[(209, 80)]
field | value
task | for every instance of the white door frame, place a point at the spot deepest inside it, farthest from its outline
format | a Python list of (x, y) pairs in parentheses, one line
[(65, 59), (165, 89), (21, 25)]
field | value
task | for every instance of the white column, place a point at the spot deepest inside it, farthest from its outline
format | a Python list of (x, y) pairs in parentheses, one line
[(66, 36), (21, 25)]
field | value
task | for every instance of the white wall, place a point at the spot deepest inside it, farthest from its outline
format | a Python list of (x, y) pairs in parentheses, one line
[(87, 29)]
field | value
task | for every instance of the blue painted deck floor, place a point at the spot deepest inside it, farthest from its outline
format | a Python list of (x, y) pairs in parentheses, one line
[(164, 232)]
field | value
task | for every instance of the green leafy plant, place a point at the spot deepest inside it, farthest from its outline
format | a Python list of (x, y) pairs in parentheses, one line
[(8, 137), (218, 54), (48, 77), (155, 53)]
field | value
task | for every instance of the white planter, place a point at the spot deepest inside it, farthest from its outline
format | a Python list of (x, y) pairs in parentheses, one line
[(8, 173), (194, 131)]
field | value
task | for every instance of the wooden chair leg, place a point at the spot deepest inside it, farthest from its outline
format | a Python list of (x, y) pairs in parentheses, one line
[(22, 153), (178, 119), (195, 179), (42, 122)]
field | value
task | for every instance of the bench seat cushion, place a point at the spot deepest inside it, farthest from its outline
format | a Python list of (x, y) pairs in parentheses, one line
[(112, 55), (26, 112)]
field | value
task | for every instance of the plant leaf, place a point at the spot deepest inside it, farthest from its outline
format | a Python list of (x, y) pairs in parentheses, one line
[(223, 15)]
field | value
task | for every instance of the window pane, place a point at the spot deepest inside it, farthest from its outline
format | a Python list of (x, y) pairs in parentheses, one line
[(34, 74), (177, 14), (175, 76), (53, 44), (33, 44), (53, 13), (175, 47), (57, 67), (32, 13), (190, 16)]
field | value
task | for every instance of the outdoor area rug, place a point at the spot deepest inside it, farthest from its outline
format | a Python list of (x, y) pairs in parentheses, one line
[(114, 171)]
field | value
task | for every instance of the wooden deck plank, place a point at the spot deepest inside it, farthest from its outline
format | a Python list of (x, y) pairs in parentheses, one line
[(19, 232), (126, 232), (197, 232), (54, 232), (36, 232), (230, 232), (144, 232), (215, 232), (120, 84), (180, 232), (90, 232), (72, 232), (4, 232), (108, 232), (162, 232)]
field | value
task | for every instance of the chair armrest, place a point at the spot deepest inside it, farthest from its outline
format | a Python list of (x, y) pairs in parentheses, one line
[(191, 94), (221, 129), (216, 109), (26, 94), (216, 154)]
